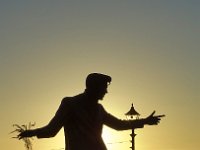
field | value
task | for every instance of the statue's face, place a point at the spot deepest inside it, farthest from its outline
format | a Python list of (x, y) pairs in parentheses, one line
[(98, 92), (101, 93)]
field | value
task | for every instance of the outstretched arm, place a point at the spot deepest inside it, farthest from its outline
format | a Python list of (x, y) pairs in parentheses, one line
[(118, 124), (49, 130)]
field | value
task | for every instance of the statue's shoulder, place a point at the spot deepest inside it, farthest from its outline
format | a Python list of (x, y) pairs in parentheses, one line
[(71, 100)]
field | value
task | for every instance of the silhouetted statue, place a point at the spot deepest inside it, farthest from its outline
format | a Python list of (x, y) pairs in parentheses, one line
[(83, 118)]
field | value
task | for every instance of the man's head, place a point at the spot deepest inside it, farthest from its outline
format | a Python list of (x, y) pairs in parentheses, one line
[(97, 83)]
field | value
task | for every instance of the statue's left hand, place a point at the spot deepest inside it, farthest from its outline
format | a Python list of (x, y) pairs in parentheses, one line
[(153, 120)]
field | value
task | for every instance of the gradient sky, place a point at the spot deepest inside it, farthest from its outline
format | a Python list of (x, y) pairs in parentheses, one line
[(150, 48)]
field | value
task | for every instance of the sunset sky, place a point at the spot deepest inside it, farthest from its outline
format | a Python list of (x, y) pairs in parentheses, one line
[(151, 48)]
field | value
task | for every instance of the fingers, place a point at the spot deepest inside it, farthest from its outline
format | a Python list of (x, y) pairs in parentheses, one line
[(22, 135), (152, 113), (160, 116), (153, 120)]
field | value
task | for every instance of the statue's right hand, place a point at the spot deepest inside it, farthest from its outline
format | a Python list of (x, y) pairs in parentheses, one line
[(24, 134)]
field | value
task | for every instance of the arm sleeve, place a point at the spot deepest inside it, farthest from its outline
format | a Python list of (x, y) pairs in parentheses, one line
[(119, 124), (54, 125)]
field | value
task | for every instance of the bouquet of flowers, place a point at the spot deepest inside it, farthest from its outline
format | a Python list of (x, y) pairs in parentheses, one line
[(21, 128)]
